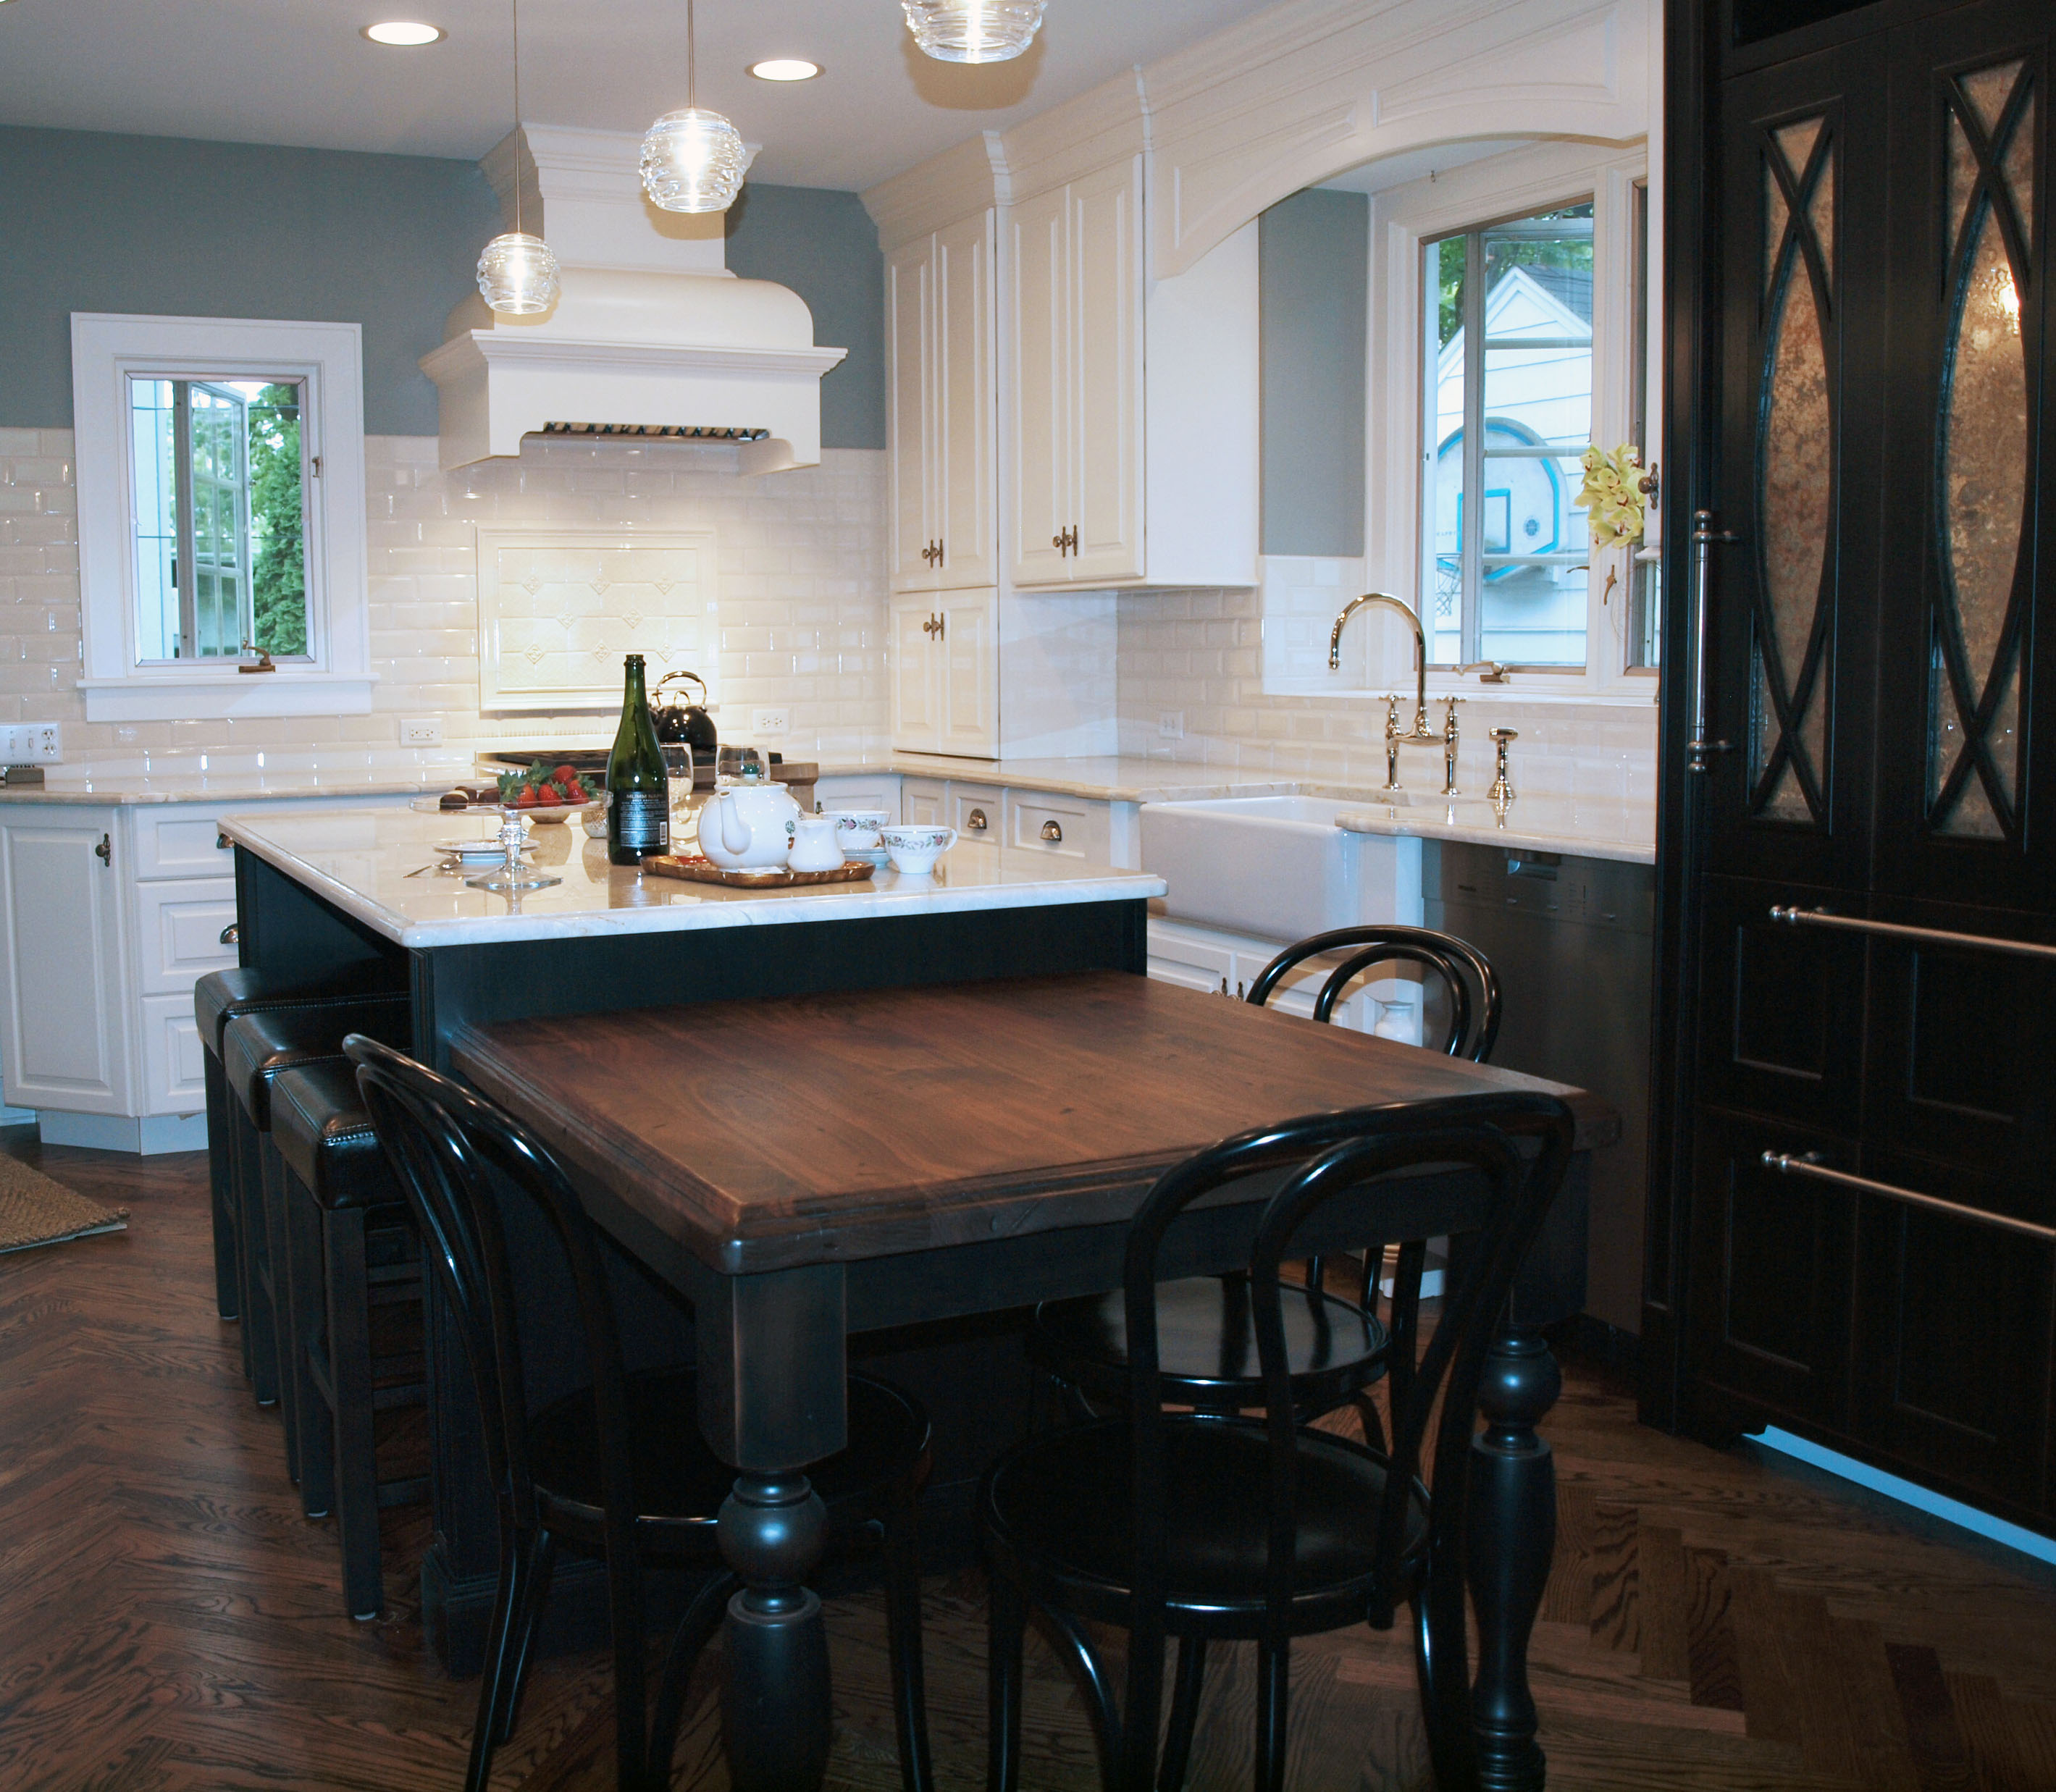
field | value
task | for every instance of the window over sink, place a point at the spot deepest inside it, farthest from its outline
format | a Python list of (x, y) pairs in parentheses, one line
[(221, 517)]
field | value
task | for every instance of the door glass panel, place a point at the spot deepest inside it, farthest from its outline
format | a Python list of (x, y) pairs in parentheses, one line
[(1974, 757), (1795, 485)]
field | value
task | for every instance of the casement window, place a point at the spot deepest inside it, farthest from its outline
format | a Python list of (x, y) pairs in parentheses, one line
[(220, 468)]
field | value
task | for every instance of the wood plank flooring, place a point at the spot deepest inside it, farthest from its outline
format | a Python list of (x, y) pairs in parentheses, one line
[(169, 1622)]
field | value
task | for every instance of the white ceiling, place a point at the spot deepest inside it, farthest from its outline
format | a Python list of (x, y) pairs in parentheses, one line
[(296, 72)]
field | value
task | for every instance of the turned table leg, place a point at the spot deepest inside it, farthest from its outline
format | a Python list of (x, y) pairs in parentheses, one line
[(775, 1704), (1512, 1535)]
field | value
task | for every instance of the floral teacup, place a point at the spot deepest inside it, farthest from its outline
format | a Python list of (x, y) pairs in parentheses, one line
[(856, 830), (916, 849)]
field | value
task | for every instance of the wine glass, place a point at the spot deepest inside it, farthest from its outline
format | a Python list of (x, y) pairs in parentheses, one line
[(513, 875)]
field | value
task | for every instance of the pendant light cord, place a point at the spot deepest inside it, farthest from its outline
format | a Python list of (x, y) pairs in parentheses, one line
[(514, 7), (692, 82)]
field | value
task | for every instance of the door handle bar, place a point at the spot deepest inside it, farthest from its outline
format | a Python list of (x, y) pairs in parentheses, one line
[(1797, 917), (1700, 749), (1808, 1163)]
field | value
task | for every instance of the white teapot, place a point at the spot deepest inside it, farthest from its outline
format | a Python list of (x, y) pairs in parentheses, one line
[(747, 824)]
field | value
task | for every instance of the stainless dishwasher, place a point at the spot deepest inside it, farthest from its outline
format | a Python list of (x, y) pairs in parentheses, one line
[(1571, 941)]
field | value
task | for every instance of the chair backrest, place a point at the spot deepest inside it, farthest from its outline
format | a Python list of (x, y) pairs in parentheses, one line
[(1330, 1154), (469, 1169), (1457, 962)]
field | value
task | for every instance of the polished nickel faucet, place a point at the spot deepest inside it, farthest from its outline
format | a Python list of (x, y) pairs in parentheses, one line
[(1420, 732)]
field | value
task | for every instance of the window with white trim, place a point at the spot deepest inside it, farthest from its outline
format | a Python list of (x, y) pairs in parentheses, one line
[(221, 517)]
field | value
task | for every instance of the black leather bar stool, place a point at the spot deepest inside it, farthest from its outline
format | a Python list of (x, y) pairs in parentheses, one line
[(349, 1248), (218, 998), (257, 1047)]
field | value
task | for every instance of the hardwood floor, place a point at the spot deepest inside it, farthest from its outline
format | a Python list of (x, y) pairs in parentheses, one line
[(168, 1621)]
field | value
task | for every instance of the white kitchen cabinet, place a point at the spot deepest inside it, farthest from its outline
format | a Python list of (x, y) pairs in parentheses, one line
[(111, 915), (860, 791), (946, 673), (1075, 380), (1225, 964), (65, 1007), (925, 802), (942, 333)]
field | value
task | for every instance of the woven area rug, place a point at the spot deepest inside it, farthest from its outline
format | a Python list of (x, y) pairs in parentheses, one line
[(34, 1210)]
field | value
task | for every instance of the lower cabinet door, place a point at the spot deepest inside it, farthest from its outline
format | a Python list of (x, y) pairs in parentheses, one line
[(174, 1061), (65, 1014), (1772, 1259), (969, 659), (1952, 1330), (917, 692), (923, 802)]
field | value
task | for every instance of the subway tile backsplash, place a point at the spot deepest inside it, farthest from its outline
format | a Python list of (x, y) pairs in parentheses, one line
[(801, 591)]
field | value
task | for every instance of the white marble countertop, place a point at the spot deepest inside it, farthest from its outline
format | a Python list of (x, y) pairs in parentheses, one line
[(360, 859), (1585, 828), (249, 777)]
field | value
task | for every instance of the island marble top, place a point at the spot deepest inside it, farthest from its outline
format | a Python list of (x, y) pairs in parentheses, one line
[(369, 863)]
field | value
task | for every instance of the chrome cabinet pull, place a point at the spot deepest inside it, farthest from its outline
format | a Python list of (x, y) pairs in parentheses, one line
[(1797, 917), (975, 821), (1698, 750), (1809, 1163), (1052, 831), (232, 935), (104, 851)]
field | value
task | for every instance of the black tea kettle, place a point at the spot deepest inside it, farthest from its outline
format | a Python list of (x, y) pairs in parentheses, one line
[(681, 724)]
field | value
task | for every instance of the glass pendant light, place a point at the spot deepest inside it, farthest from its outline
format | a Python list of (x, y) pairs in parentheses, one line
[(693, 160), (974, 30), (517, 275)]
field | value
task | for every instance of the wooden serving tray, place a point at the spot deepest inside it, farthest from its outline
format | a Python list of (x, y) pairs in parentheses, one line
[(697, 869)]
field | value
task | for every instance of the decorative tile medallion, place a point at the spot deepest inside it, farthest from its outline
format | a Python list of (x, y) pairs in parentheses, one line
[(558, 609)]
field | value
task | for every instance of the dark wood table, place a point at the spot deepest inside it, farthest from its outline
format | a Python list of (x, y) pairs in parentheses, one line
[(806, 1166)]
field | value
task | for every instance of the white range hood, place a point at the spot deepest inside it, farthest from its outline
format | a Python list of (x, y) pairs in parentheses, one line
[(652, 336)]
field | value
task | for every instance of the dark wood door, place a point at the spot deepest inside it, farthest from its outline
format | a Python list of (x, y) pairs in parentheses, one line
[(1865, 418)]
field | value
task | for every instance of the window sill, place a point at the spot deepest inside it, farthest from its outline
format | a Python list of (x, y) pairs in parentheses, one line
[(214, 696)]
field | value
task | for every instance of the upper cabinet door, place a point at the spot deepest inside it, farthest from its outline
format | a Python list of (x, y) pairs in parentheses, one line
[(910, 309), (917, 691), (1967, 754), (966, 436), (1039, 374), (1105, 231), (968, 655)]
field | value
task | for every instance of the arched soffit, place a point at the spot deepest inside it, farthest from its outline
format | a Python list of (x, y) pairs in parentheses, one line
[(1226, 148)]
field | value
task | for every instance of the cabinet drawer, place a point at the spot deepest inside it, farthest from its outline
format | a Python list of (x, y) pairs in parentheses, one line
[(180, 846), (923, 802), (174, 1060), (179, 927), (978, 812), (1064, 826)]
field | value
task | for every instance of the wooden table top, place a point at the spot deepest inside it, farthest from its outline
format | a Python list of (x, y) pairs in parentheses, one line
[(824, 1128)]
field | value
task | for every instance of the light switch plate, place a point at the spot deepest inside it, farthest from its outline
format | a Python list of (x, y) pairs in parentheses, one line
[(32, 744), (767, 723), (1171, 724)]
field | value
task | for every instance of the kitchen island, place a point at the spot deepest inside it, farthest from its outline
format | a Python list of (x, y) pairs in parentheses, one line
[(355, 899)]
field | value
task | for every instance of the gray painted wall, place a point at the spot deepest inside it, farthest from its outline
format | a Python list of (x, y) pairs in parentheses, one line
[(1314, 256), (823, 245), (94, 222)]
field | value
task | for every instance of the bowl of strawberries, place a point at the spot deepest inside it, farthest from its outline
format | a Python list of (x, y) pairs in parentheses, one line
[(546, 793)]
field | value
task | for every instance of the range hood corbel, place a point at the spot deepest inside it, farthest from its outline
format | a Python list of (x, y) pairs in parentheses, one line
[(652, 335)]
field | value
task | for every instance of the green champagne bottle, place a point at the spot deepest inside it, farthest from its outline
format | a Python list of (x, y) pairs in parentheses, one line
[(638, 788)]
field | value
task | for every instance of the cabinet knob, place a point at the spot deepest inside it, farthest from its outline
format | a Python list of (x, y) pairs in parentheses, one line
[(975, 821), (104, 851), (222, 843), (1052, 831), (232, 935)]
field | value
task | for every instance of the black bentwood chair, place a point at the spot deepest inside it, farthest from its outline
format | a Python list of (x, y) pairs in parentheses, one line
[(1212, 1527), (617, 1468), (1337, 1348)]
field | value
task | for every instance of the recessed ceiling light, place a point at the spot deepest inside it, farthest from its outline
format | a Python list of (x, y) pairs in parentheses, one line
[(786, 68), (405, 34)]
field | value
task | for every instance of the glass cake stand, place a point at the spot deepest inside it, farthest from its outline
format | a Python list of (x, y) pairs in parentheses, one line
[(513, 875)]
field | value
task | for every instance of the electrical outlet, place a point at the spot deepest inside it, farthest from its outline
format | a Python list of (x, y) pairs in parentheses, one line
[(1171, 724), (32, 744), (766, 723), (421, 731)]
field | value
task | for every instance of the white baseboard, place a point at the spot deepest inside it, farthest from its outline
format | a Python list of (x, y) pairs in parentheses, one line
[(151, 1135), (1939, 1505)]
